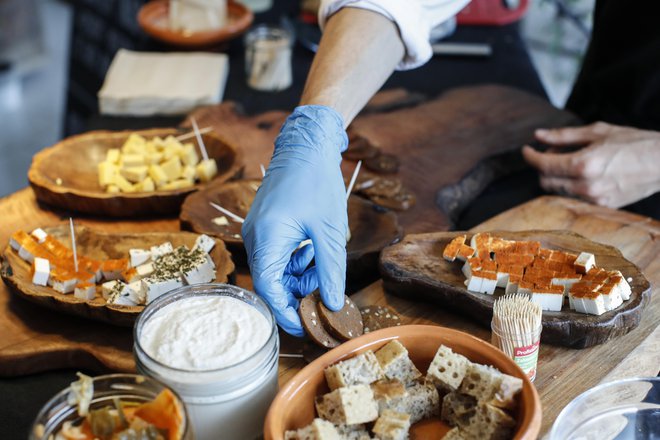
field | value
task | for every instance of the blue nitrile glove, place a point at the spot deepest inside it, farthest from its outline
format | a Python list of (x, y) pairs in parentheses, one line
[(302, 197)]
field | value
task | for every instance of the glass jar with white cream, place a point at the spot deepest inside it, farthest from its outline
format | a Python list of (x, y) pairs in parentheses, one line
[(217, 346)]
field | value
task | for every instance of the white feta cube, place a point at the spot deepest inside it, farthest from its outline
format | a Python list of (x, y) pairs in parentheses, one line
[(511, 286), (474, 283), (121, 295), (41, 272), (155, 287), (584, 262), (145, 270), (467, 270), (85, 292), (205, 243), (137, 292), (25, 254), (39, 235), (488, 285), (139, 257), (592, 306), (108, 287), (548, 301), (502, 279), (159, 251), (623, 287), (202, 272), (220, 221), (64, 285)]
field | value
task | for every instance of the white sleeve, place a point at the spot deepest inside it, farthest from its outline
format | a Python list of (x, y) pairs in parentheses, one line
[(414, 18)]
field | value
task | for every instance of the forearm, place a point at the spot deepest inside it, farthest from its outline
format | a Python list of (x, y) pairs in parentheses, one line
[(358, 52)]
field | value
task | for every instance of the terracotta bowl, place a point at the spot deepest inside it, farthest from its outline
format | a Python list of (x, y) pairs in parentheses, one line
[(153, 19), (293, 406)]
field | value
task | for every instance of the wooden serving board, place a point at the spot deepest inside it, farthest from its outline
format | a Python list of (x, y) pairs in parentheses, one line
[(66, 176), (414, 268), (450, 147), (100, 246), (372, 228)]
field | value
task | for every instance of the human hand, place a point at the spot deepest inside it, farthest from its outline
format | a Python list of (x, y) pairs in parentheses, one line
[(301, 197), (617, 166)]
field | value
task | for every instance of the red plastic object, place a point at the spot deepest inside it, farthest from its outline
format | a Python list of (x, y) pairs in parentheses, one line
[(491, 12)]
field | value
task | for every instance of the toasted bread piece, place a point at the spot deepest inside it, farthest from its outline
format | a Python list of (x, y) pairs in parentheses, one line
[(447, 369), (392, 425), (388, 393), (348, 405), (488, 385), (458, 409), (319, 429), (489, 423), (361, 369), (393, 359)]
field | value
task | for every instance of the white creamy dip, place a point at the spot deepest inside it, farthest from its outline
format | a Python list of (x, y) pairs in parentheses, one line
[(204, 333)]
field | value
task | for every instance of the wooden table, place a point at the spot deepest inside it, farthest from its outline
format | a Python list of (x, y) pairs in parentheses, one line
[(563, 373)]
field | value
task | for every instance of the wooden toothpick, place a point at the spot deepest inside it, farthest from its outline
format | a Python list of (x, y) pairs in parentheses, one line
[(353, 179), (228, 213), (73, 244), (200, 142), (183, 137), (263, 170)]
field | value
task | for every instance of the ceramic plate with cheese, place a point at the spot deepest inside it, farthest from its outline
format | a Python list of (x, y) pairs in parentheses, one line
[(130, 173), (112, 276)]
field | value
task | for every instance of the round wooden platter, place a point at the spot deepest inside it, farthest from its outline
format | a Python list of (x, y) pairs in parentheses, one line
[(414, 268), (65, 175), (100, 245), (372, 227)]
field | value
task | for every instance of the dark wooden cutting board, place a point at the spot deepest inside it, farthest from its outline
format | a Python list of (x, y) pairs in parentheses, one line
[(414, 268), (450, 147)]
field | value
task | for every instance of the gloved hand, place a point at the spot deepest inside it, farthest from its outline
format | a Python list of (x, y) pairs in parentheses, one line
[(302, 197)]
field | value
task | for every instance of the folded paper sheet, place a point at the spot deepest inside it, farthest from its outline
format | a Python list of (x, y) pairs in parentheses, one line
[(149, 83)]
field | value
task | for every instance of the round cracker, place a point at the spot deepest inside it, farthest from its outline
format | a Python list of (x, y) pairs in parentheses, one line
[(309, 316), (345, 324)]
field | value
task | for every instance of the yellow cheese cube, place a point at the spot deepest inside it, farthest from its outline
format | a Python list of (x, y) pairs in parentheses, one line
[(135, 174), (153, 158), (134, 144), (147, 185), (123, 184), (149, 147), (206, 170), (112, 155), (188, 155), (177, 184), (157, 175), (172, 168), (158, 142), (114, 189), (132, 160), (107, 173), (188, 172)]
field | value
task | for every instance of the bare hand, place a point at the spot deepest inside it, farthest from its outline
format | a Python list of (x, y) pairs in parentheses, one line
[(617, 166)]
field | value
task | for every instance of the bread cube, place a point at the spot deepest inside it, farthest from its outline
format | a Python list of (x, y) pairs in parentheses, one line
[(361, 369), (458, 409), (393, 359), (353, 432), (348, 405), (389, 394), (422, 402), (392, 425), (447, 369), (488, 385), (317, 430), (489, 423)]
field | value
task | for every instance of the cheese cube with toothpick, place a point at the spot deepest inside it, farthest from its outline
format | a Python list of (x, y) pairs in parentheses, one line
[(206, 170)]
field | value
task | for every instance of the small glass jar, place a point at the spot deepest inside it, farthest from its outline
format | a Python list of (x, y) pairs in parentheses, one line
[(125, 387), (268, 58), (523, 348), (623, 409), (223, 403)]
